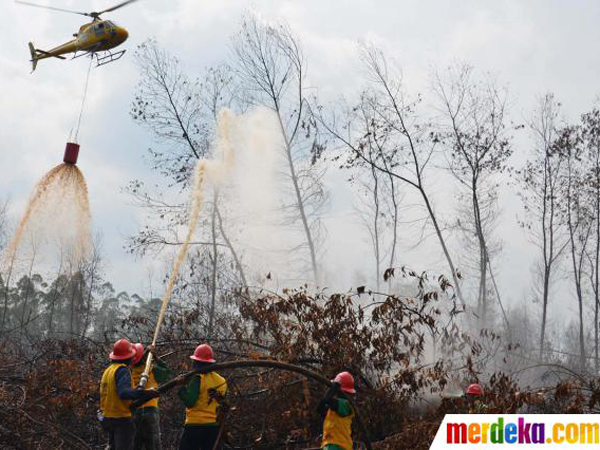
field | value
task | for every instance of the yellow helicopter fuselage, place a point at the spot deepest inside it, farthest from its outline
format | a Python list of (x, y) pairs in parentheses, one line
[(96, 36)]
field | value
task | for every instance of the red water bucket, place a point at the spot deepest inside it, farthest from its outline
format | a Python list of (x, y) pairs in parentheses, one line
[(71, 153)]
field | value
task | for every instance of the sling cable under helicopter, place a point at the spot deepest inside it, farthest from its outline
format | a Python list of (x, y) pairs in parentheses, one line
[(95, 39), (72, 148)]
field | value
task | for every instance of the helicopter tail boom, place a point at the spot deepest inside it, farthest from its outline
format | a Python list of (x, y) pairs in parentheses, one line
[(37, 54)]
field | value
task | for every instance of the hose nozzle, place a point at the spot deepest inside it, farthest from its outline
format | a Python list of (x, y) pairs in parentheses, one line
[(143, 381), (145, 374)]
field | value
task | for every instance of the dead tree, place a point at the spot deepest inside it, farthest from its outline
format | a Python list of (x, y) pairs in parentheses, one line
[(272, 71), (410, 150), (575, 208), (378, 193), (474, 131), (539, 181), (181, 114), (590, 137)]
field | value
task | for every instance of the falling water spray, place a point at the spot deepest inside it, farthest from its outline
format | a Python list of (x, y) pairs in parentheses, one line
[(60, 193)]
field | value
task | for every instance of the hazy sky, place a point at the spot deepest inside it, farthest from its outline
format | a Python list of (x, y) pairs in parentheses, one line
[(532, 46)]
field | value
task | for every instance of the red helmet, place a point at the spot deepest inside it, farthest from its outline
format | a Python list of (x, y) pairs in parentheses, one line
[(346, 382), (203, 353), (139, 352), (475, 389), (122, 350)]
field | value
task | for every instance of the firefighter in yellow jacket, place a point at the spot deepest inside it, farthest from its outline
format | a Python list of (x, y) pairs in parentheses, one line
[(146, 418), (337, 427), (116, 394), (201, 397)]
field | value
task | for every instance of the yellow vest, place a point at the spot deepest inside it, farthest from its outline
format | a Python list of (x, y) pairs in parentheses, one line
[(205, 408), (136, 375), (337, 430), (110, 403)]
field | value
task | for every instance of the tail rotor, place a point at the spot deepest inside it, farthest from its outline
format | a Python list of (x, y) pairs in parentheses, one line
[(34, 56)]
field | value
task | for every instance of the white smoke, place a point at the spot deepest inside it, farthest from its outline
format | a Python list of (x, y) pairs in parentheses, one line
[(246, 171)]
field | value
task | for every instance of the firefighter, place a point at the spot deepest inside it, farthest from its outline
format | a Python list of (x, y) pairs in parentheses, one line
[(146, 418), (337, 427), (116, 394), (474, 395), (201, 397)]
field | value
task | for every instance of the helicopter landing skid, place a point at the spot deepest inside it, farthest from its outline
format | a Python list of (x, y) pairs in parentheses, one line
[(108, 57), (102, 57)]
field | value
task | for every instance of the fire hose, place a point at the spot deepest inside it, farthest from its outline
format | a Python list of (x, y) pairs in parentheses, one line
[(260, 363)]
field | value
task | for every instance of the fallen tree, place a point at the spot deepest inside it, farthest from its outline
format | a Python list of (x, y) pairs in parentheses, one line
[(262, 363)]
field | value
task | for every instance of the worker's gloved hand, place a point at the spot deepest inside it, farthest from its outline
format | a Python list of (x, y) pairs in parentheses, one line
[(214, 394), (151, 349)]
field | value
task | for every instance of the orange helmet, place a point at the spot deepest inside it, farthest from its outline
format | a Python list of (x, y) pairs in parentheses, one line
[(475, 389), (122, 350), (203, 353), (346, 382), (139, 352)]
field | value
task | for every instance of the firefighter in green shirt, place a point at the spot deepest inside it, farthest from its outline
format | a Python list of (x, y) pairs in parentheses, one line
[(474, 397), (146, 418), (337, 427), (202, 395)]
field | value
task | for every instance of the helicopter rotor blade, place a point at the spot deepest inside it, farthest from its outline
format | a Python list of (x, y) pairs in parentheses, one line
[(120, 5), (53, 8)]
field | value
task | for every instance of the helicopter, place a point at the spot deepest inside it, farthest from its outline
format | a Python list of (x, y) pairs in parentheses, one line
[(95, 39)]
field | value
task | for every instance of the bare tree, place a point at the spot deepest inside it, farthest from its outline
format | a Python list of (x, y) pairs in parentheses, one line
[(590, 136), (272, 70), (575, 208), (474, 129), (378, 204), (539, 183), (410, 147), (92, 271), (370, 212), (470, 244), (168, 104), (181, 113), (26, 309)]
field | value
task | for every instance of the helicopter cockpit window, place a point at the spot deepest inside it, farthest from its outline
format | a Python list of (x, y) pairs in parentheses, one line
[(109, 24), (99, 29)]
